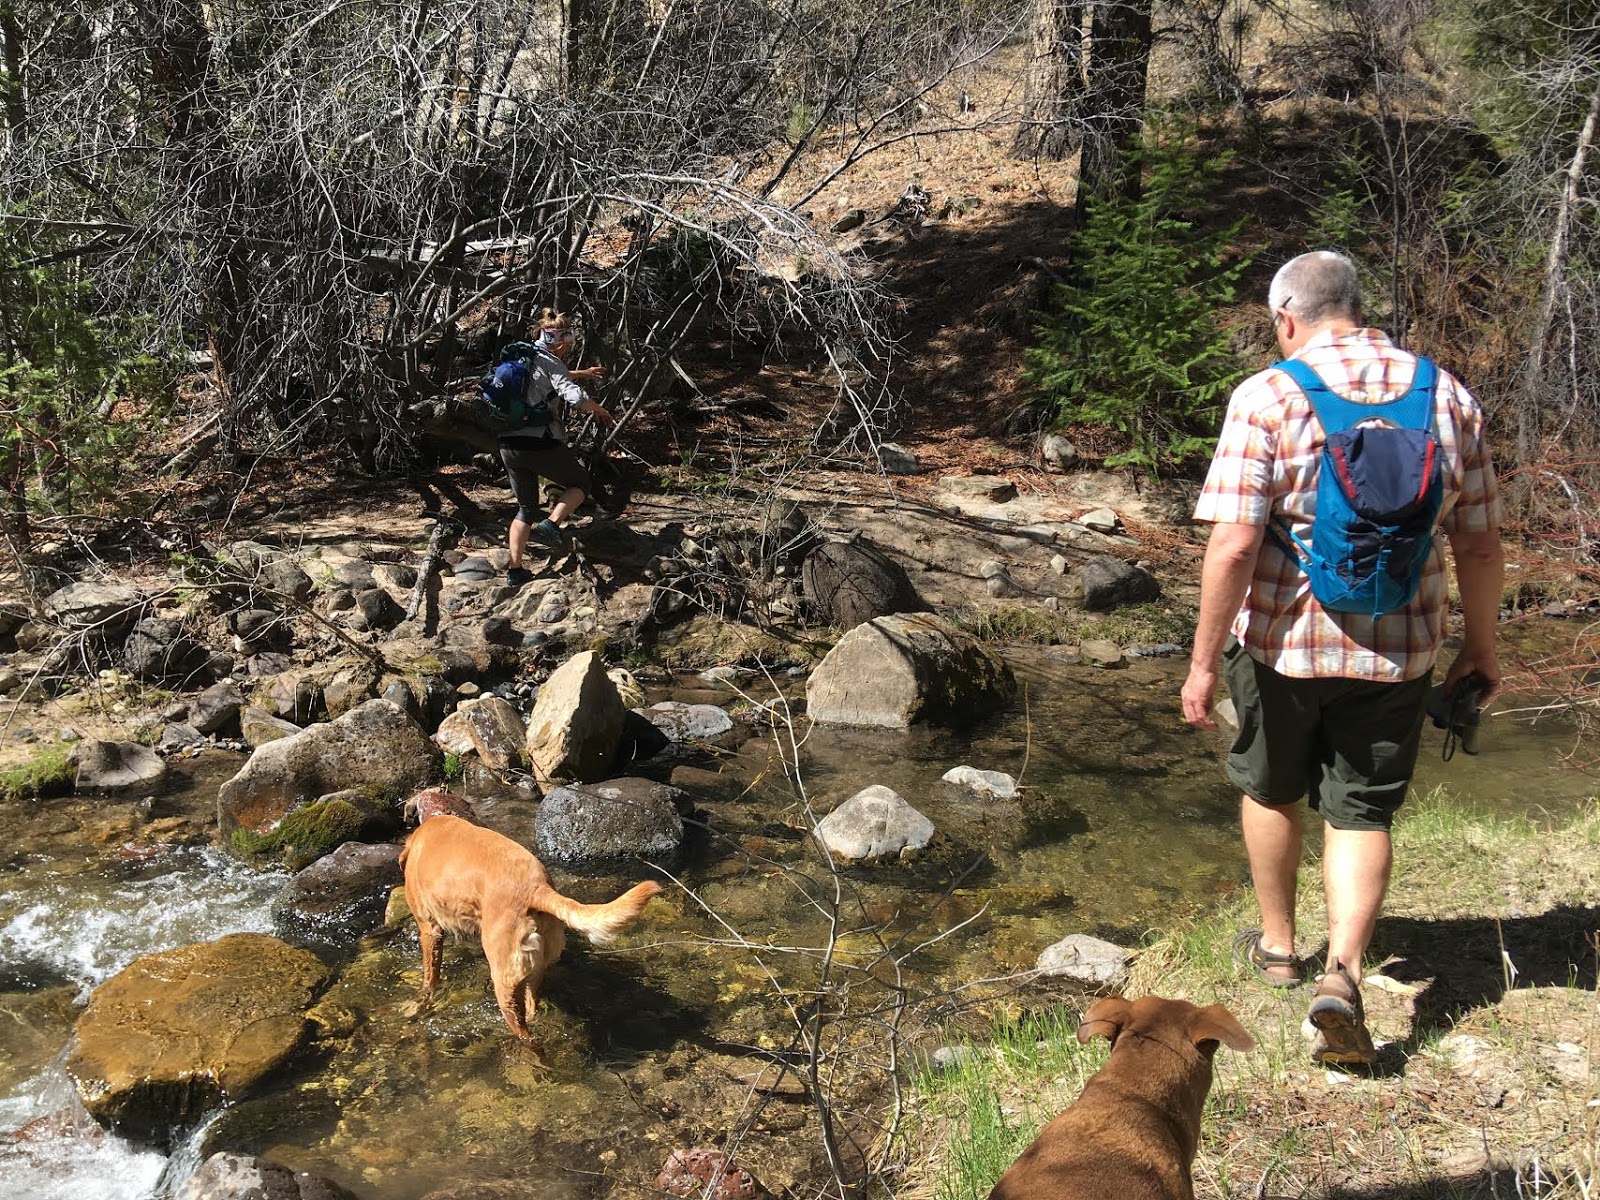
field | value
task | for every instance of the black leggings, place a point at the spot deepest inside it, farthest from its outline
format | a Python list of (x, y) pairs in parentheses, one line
[(527, 459)]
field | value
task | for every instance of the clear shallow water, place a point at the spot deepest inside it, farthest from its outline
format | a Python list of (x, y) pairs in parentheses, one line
[(1124, 823)]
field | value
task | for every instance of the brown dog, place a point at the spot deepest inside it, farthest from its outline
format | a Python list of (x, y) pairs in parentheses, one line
[(461, 877), (1135, 1128)]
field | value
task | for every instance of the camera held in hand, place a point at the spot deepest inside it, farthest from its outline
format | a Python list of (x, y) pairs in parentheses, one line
[(1456, 712)]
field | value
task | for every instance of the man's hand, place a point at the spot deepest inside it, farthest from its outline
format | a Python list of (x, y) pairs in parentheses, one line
[(594, 374), (603, 415), (1475, 659), (1199, 696)]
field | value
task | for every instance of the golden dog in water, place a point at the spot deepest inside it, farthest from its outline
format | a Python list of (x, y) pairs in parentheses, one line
[(1134, 1129), (461, 877)]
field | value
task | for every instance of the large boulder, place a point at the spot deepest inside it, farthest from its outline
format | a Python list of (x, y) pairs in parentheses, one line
[(175, 1034), (874, 823), (341, 896), (851, 582), (86, 605), (115, 766), (575, 729), (159, 651), (1111, 583), (612, 823), (896, 671), (489, 727), (374, 746), (228, 1176)]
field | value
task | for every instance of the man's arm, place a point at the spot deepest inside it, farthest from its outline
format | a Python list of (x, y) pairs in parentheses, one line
[(1480, 574), (1224, 579)]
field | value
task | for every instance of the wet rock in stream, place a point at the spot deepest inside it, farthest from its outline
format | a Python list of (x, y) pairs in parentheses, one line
[(176, 1033), (244, 1177), (618, 821), (341, 896), (874, 823)]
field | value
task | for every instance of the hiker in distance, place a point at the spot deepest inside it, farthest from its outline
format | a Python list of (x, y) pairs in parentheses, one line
[(1332, 473), (533, 396)]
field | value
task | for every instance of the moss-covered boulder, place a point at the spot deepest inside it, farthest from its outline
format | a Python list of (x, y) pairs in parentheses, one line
[(306, 834), (374, 746), (177, 1033)]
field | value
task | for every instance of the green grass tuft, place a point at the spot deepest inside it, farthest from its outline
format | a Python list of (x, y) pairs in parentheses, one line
[(47, 773)]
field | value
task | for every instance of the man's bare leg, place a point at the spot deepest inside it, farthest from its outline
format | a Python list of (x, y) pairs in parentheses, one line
[(1355, 874), (1272, 842)]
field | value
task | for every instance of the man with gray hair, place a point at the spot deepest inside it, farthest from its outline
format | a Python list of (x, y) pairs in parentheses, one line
[(1330, 703)]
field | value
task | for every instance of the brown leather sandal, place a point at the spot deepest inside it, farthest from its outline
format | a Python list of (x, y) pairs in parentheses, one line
[(1248, 952), (1341, 1023)]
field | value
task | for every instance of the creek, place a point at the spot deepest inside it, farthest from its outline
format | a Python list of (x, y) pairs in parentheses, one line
[(1124, 824)]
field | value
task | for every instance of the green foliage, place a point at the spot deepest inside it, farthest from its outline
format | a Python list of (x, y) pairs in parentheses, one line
[(60, 368), (454, 768), (1132, 342), (47, 773)]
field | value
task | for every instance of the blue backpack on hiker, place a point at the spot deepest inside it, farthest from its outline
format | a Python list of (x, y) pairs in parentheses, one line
[(1379, 492), (507, 392)]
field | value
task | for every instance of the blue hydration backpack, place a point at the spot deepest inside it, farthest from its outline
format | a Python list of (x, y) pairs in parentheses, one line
[(1379, 491), (507, 391)]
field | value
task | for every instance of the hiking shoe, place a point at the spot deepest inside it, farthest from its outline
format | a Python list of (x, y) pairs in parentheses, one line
[(517, 576), (1341, 1024), (546, 533)]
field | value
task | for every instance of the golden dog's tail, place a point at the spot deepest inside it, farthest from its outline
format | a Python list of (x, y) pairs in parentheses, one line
[(601, 922)]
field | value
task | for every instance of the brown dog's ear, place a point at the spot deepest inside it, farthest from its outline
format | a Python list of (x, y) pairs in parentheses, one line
[(1105, 1018), (1216, 1024)]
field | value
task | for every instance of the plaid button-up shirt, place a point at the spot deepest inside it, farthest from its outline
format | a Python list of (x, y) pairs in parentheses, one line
[(1266, 467)]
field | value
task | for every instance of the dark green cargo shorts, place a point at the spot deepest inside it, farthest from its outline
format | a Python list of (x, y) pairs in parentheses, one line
[(1350, 744)]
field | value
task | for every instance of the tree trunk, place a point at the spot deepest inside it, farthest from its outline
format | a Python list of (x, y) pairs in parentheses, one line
[(1119, 64), (180, 68), (11, 63), (1052, 124), (1531, 410)]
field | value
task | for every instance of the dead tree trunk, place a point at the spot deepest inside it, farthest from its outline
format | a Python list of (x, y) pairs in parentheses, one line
[(1052, 124), (1120, 38), (1531, 411), (180, 55)]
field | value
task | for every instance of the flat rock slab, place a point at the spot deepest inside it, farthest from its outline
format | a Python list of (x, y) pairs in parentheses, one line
[(991, 489), (176, 1033), (86, 605), (115, 766)]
